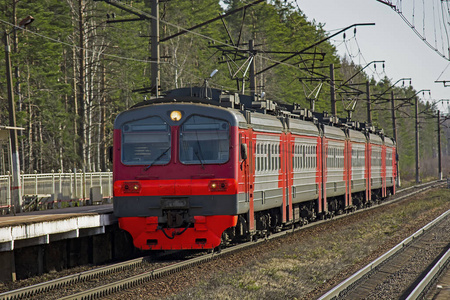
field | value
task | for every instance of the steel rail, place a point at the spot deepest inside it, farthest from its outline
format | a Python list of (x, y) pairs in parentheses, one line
[(154, 274), (108, 289), (43, 287), (115, 287), (431, 276), (342, 287)]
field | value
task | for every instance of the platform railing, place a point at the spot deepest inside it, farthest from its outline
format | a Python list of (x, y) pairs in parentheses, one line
[(57, 189)]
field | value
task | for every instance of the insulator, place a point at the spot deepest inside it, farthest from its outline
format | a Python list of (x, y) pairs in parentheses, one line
[(354, 31), (107, 16), (383, 66), (344, 35), (375, 66)]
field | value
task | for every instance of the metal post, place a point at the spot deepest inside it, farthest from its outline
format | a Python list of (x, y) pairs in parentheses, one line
[(16, 189), (155, 46), (394, 128), (75, 184), (439, 145), (252, 70), (417, 140), (36, 191), (332, 91), (369, 109)]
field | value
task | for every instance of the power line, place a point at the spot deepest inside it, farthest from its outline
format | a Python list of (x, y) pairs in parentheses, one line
[(443, 25), (75, 46)]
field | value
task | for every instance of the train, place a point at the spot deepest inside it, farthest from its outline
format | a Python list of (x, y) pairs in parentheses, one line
[(199, 168)]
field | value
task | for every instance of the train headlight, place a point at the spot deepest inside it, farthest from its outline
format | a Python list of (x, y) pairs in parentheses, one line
[(175, 115), (131, 187), (218, 185)]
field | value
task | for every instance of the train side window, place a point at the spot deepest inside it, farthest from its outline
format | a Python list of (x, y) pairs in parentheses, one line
[(334, 158), (293, 157), (279, 156), (331, 157), (297, 163), (257, 158), (273, 157), (307, 157), (269, 158), (265, 158), (315, 157), (302, 156)]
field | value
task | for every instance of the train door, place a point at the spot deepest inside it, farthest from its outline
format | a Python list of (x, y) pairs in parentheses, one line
[(383, 171), (324, 174), (249, 169), (348, 176), (287, 141), (319, 174), (368, 172), (284, 150)]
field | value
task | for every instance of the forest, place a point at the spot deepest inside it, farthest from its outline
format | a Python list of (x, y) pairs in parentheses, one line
[(81, 62)]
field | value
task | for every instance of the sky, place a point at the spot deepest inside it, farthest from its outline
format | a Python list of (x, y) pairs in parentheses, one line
[(391, 40)]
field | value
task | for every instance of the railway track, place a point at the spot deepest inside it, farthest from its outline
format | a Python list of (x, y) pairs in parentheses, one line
[(404, 272), (91, 284)]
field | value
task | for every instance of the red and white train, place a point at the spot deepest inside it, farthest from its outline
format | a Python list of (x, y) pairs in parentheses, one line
[(193, 173)]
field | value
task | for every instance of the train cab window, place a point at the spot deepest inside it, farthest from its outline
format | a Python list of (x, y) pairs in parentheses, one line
[(204, 140), (145, 142)]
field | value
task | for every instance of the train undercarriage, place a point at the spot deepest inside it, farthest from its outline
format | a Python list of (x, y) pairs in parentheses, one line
[(270, 221)]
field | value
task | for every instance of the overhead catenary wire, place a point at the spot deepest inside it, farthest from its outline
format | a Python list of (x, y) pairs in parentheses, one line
[(179, 28), (74, 45)]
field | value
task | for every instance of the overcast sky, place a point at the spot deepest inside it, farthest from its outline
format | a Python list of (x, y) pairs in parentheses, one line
[(391, 39)]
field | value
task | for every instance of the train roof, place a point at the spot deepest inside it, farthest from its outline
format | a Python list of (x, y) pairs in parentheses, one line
[(302, 127), (375, 139), (389, 142), (356, 136), (333, 132), (233, 116), (266, 123), (265, 115)]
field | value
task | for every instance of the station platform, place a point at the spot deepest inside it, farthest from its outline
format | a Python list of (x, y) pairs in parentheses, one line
[(47, 226)]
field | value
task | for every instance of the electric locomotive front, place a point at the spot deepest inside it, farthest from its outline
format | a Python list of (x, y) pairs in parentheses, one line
[(176, 169)]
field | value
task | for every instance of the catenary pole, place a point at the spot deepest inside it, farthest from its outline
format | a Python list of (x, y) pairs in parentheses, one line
[(16, 189), (332, 91), (394, 129)]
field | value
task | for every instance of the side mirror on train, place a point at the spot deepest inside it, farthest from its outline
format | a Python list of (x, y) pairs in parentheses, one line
[(244, 151)]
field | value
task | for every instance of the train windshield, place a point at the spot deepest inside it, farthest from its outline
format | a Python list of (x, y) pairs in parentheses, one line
[(146, 142), (204, 140)]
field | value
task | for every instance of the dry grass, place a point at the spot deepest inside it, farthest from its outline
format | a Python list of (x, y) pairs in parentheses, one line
[(296, 269)]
